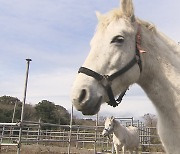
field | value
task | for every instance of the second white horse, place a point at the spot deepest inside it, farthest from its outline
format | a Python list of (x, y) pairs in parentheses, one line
[(125, 138)]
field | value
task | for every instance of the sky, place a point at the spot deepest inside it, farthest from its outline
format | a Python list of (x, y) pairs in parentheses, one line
[(55, 34)]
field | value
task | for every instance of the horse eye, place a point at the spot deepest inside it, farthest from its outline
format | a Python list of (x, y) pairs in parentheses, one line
[(118, 39)]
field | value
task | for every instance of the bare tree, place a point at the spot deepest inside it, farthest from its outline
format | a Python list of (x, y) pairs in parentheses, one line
[(150, 120)]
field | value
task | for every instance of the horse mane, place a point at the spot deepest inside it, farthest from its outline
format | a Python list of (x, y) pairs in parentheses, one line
[(170, 43), (116, 122)]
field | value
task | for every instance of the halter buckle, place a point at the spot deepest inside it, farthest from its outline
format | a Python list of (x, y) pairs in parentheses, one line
[(105, 80), (106, 77), (137, 58)]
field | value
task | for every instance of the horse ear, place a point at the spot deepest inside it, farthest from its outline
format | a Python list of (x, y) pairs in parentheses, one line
[(112, 118), (128, 9), (98, 15)]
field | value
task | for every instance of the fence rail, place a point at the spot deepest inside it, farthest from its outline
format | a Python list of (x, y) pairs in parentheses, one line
[(81, 136)]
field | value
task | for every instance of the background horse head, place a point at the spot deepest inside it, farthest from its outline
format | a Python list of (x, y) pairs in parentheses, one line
[(108, 127)]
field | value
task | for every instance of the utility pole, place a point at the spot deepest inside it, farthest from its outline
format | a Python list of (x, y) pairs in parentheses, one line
[(23, 105)]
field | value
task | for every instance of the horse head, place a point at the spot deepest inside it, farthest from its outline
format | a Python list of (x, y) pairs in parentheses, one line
[(113, 62), (109, 126)]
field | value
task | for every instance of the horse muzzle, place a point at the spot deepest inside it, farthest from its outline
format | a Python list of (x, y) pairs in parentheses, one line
[(105, 133), (87, 105)]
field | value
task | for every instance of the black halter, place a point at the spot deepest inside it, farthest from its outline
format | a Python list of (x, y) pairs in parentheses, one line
[(109, 78)]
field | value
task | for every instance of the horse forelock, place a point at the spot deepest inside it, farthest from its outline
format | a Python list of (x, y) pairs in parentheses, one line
[(107, 18), (115, 15)]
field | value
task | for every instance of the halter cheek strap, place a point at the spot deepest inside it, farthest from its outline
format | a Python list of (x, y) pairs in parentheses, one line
[(109, 78)]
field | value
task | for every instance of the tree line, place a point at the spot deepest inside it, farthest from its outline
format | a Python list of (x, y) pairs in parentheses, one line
[(48, 112), (45, 110)]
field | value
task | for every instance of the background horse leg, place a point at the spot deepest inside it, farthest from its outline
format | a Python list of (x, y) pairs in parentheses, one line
[(123, 150), (116, 148), (131, 151), (136, 150)]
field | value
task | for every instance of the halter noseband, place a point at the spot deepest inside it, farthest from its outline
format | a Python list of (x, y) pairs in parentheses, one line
[(109, 78)]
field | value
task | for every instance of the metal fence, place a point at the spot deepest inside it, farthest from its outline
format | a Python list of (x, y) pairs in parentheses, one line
[(73, 136)]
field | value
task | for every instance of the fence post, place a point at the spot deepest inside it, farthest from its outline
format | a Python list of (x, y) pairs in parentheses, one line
[(27, 134), (96, 133), (64, 138), (39, 131), (84, 137), (132, 121), (2, 134), (12, 127), (46, 131), (77, 142), (70, 131)]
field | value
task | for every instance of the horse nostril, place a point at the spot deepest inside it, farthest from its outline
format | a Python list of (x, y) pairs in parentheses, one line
[(82, 95)]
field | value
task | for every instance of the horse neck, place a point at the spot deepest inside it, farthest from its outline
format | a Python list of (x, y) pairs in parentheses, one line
[(118, 129), (160, 78)]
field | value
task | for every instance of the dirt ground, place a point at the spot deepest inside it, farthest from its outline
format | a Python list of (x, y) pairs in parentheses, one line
[(41, 149)]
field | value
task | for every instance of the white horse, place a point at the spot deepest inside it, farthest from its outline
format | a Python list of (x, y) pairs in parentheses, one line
[(123, 138), (118, 50)]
